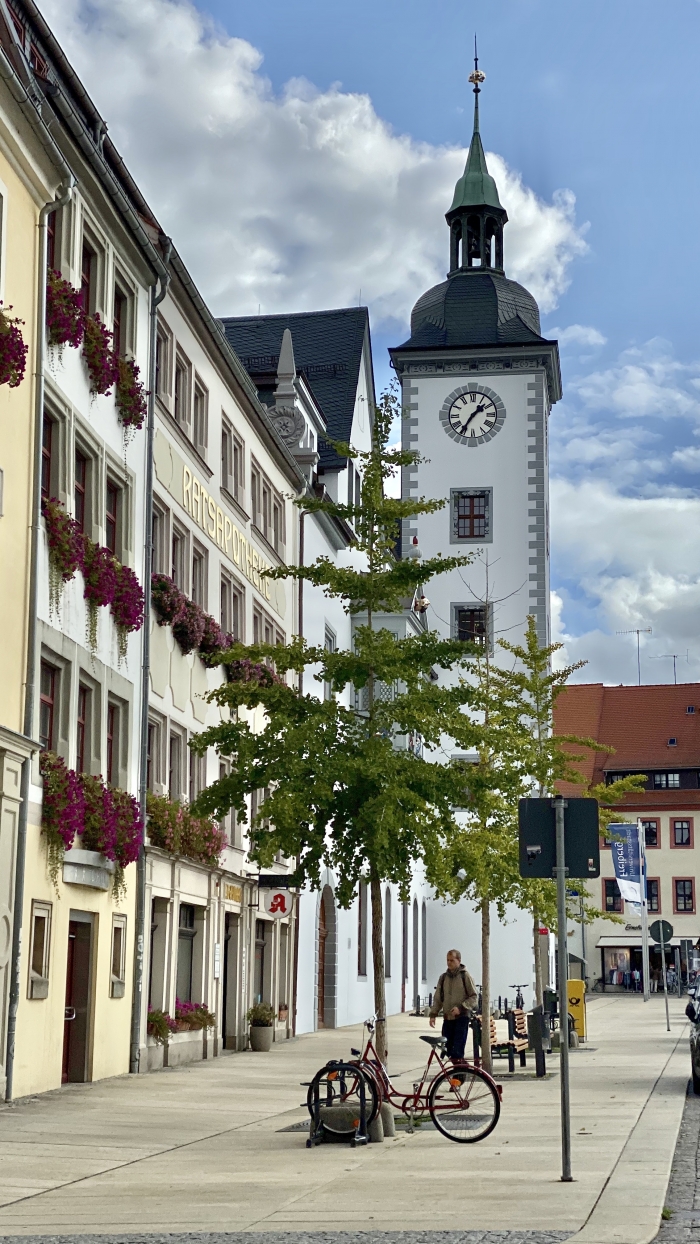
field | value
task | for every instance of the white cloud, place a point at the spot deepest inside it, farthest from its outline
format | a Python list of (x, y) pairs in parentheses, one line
[(577, 335), (630, 562), (644, 382), (290, 201), (688, 459)]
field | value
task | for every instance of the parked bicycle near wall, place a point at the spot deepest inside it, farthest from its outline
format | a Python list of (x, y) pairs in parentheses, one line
[(463, 1101)]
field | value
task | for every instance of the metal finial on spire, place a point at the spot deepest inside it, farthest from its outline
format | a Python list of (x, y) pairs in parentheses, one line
[(476, 78)]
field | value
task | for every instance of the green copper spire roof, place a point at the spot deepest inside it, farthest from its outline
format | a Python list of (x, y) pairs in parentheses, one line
[(476, 187)]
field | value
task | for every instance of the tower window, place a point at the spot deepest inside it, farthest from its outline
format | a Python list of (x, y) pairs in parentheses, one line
[(470, 514), (471, 624)]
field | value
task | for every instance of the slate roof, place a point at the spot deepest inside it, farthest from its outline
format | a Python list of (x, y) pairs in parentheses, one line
[(474, 308), (327, 352), (637, 722)]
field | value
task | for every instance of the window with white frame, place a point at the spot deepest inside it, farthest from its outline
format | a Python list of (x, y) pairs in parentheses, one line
[(39, 947), (200, 416), (118, 957), (232, 607)]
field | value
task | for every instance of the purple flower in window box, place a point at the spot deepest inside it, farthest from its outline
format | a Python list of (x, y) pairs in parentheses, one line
[(130, 394), (100, 573), (99, 357), (13, 351), (127, 606), (65, 319), (189, 625)]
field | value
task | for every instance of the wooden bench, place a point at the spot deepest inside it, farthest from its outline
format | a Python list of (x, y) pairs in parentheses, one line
[(511, 1042)]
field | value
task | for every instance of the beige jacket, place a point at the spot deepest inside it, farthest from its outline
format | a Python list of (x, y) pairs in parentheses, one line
[(452, 990)]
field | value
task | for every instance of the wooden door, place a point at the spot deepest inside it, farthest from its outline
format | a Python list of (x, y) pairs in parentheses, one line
[(321, 982), (77, 1015)]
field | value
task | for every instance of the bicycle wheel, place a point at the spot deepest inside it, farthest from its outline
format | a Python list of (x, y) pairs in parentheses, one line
[(464, 1104), (340, 1086)]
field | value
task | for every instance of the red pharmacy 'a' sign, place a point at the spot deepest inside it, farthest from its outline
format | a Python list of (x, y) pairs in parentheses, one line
[(277, 903)]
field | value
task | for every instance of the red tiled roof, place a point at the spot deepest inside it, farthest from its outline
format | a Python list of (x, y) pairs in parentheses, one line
[(636, 723)]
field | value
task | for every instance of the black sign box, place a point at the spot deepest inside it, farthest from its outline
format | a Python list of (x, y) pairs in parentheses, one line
[(538, 842)]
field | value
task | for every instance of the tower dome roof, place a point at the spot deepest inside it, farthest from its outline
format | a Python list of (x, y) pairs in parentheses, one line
[(474, 308)]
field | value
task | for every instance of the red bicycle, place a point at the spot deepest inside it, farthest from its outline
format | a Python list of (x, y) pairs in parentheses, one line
[(463, 1101)]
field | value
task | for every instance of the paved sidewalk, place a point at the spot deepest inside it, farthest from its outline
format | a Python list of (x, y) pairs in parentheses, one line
[(202, 1150)]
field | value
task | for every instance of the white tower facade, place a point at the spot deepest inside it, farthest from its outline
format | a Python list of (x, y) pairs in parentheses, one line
[(478, 382)]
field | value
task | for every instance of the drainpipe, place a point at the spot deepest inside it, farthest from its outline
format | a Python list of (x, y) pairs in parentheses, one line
[(136, 1005), (32, 629)]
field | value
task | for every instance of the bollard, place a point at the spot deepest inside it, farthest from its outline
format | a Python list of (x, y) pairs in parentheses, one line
[(536, 1023)]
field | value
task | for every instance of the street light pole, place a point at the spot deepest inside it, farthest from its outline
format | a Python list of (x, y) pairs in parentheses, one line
[(563, 958)]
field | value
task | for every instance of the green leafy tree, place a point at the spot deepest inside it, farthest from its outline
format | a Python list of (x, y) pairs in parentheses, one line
[(344, 789)]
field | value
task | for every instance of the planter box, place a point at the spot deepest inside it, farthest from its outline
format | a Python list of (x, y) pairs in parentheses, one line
[(182, 1048)]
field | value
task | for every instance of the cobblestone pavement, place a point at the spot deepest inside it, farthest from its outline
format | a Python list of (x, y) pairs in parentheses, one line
[(311, 1237), (683, 1196)]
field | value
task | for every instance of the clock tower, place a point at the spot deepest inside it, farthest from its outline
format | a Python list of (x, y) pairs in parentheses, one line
[(478, 381)]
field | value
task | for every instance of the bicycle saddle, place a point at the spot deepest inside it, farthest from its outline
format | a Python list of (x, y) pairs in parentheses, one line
[(434, 1041)]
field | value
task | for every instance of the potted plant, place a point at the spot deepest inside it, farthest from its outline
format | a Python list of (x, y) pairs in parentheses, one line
[(261, 1017)]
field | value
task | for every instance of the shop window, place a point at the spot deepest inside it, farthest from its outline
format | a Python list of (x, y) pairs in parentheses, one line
[(39, 945), (684, 896), (651, 833), (48, 705), (653, 895), (682, 833), (361, 929), (611, 895), (185, 945), (118, 959), (260, 956)]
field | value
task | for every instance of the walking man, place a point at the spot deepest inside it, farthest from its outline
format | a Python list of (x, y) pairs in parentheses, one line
[(455, 997)]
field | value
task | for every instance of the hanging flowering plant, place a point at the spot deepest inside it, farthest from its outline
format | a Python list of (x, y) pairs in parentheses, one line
[(173, 828), (100, 573), (63, 810), (213, 640), (130, 394), (166, 598), (160, 1025), (65, 549), (13, 351), (99, 357), (112, 825), (188, 627), (127, 606), (65, 319), (245, 670), (191, 1016)]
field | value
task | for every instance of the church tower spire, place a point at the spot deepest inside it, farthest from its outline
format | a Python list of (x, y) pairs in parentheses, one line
[(476, 217)]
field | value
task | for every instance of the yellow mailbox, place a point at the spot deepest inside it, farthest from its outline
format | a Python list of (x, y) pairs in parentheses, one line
[(576, 991)]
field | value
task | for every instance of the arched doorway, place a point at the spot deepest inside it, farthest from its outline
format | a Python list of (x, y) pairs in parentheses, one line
[(326, 961)]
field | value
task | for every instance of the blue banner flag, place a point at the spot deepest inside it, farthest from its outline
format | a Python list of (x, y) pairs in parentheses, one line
[(624, 846)]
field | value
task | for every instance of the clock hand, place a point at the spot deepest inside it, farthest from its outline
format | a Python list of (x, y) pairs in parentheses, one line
[(474, 412)]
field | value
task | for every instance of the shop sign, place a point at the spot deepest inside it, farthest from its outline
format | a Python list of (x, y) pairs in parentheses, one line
[(233, 893), (277, 903)]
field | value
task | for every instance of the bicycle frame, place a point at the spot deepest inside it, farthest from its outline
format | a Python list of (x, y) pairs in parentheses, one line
[(415, 1103)]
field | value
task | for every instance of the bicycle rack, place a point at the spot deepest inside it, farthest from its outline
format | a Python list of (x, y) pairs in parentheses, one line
[(339, 1069)]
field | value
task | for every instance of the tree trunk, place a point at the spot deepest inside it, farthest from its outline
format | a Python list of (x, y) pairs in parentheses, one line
[(539, 997), (378, 965), (486, 986)]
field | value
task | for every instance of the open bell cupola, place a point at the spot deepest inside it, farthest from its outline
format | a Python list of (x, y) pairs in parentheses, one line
[(476, 217)]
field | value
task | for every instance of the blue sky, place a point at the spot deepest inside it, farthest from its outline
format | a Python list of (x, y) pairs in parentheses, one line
[(302, 151)]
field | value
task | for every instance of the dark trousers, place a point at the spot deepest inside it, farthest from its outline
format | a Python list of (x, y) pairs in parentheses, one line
[(456, 1032)]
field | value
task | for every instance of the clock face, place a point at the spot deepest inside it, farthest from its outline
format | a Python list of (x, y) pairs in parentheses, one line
[(473, 414)]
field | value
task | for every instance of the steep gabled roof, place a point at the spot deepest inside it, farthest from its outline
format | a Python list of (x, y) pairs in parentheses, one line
[(328, 348), (637, 722)]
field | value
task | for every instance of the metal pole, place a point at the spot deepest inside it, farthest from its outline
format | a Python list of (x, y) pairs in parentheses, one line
[(663, 972), (559, 806), (645, 913)]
